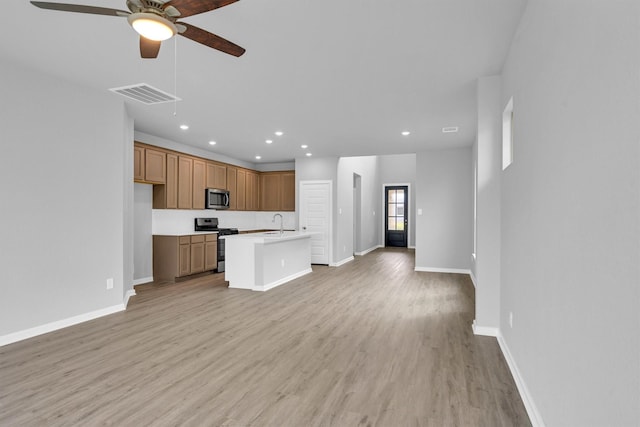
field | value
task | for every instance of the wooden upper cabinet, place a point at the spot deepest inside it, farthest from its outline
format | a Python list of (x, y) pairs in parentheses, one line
[(149, 165), (288, 191), (277, 191), (180, 182), (270, 191), (155, 166), (216, 176), (185, 182), (241, 191), (252, 192), (232, 176), (172, 182), (199, 183), (138, 163), (166, 196)]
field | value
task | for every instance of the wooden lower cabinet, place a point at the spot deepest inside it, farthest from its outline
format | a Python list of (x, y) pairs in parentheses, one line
[(197, 254), (210, 252), (184, 251), (180, 256)]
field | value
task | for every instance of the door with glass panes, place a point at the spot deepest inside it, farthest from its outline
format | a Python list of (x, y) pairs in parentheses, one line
[(396, 215)]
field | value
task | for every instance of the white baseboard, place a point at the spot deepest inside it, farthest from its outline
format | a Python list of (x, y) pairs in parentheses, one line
[(341, 262), (527, 399), (59, 324), (411, 247), (371, 249), (142, 280), (473, 278), (486, 331), (129, 294), (443, 270), (282, 281), (523, 390)]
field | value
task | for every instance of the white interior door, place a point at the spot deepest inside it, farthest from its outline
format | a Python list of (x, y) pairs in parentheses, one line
[(315, 215)]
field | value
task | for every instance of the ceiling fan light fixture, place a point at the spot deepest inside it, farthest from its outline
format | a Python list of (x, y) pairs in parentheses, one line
[(152, 26)]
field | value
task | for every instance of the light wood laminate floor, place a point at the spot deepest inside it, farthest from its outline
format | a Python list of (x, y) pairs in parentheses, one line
[(371, 343)]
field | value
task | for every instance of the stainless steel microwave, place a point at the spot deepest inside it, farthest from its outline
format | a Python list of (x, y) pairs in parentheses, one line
[(216, 198)]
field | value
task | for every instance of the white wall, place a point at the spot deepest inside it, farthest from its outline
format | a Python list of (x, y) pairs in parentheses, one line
[(444, 192), (62, 183), (367, 168), (488, 166), (128, 208), (571, 211), (399, 169)]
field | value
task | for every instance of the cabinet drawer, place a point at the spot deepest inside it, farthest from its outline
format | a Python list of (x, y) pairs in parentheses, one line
[(211, 238), (184, 240), (197, 239)]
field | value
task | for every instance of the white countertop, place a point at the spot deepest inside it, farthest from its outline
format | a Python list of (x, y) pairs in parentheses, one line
[(190, 233), (270, 236)]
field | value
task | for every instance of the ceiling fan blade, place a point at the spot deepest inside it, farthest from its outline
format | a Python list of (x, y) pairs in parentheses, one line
[(149, 48), (193, 7), (208, 39), (80, 8)]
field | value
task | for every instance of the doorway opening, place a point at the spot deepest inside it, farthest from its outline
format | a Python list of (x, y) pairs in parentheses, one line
[(396, 222)]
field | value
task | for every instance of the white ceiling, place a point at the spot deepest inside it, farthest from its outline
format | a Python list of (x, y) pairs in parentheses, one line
[(344, 77)]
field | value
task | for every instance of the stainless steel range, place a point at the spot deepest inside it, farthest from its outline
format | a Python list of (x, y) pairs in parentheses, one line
[(211, 224)]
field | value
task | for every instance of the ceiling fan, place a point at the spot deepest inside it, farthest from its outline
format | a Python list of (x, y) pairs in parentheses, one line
[(157, 20)]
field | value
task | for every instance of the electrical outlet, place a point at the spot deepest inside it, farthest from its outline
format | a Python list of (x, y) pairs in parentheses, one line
[(344, 249), (282, 262), (511, 319), (110, 283)]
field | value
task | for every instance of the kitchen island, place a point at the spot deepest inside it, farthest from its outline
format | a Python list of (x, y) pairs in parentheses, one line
[(262, 261)]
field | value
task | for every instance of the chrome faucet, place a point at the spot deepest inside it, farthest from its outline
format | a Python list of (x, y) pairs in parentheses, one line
[(281, 225)]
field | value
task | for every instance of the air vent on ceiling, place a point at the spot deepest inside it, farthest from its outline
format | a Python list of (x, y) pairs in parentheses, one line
[(145, 93), (450, 129)]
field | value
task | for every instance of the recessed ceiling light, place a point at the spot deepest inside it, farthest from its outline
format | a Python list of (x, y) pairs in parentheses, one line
[(258, 157), (212, 143), (279, 133), (269, 141), (184, 127), (406, 133), (450, 129), (308, 154), (304, 146)]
